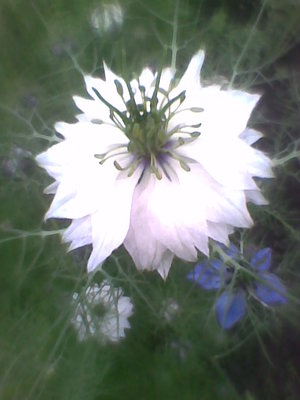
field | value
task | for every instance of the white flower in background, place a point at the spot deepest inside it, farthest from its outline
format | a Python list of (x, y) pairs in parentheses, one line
[(101, 312), (157, 165), (169, 309), (107, 17)]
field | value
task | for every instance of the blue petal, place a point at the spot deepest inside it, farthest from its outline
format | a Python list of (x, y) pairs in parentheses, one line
[(261, 260), (230, 308), (217, 265), (273, 292), (205, 276), (232, 251), (198, 270)]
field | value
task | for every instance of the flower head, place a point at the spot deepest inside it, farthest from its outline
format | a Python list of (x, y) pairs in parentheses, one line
[(107, 17), (156, 164), (169, 309), (101, 312), (239, 281)]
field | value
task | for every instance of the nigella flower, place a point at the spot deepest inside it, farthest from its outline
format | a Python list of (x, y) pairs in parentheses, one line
[(156, 164), (107, 18), (238, 281), (101, 312), (169, 309)]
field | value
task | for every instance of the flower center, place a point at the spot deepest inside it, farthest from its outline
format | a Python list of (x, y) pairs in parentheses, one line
[(146, 126), (147, 134)]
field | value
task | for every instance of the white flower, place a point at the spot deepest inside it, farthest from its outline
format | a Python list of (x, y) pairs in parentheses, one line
[(101, 312), (157, 165), (107, 17), (169, 309)]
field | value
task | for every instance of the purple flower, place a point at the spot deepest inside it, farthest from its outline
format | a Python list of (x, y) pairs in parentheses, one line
[(268, 287), (230, 308), (235, 283)]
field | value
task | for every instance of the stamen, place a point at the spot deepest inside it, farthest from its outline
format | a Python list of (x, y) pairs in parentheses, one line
[(181, 160), (193, 134), (182, 141), (133, 167), (119, 88), (112, 155), (153, 102), (115, 120), (106, 156), (164, 92), (165, 171), (111, 107), (153, 167), (178, 129), (197, 109), (143, 93), (146, 126), (196, 125), (118, 166), (180, 96), (184, 166), (132, 99), (156, 172), (97, 121)]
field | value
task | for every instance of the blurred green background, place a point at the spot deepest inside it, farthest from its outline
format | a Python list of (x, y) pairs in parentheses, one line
[(46, 47)]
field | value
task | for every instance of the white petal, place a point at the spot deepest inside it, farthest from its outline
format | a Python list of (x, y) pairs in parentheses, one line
[(82, 188), (164, 265), (74, 198), (226, 112), (210, 200), (52, 188), (141, 242), (107, 89), (192, 73), (54, 169), (125, 307), (231, 162), (161, 220), (81, 177), (87, 135), (110, 223), (250, 136), (174, 218), (256, 197), (78, 152), (146, 78), (93, 109), (219, 232), (79, 233), (166, 78), (111, 77), (136, 91), (83, 118)]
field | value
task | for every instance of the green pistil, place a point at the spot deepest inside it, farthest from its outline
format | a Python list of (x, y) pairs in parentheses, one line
[(147, 134)]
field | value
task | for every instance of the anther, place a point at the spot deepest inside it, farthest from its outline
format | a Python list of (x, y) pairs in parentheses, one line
[(184, 166)]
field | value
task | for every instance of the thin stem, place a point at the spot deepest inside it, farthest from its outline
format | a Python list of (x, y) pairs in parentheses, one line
[(280, 161), (174, 47), (238, 62), (133, 285), (24, 234)]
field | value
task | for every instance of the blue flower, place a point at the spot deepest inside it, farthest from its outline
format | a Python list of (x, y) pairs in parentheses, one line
[(230, 308), (235, 279), (268, 287)]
